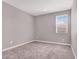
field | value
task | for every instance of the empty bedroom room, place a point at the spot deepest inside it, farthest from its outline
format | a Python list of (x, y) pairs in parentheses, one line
[(39, 29)]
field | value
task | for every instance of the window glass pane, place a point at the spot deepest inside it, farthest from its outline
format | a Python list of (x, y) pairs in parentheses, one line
[(62, 24)]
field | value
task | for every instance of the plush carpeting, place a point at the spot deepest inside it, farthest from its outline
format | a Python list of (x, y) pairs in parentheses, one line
[(39, 50)]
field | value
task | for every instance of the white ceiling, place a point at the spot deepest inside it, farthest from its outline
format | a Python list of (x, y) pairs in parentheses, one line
[(38, 7)]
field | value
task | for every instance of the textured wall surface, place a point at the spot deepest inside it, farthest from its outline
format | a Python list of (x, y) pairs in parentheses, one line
[(45, 28), (74, 27), (17, 26)]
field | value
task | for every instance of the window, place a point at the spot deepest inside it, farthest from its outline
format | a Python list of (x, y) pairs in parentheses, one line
[(62, 24)]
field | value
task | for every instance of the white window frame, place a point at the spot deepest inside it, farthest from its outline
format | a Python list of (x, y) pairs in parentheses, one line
[(66, 24)]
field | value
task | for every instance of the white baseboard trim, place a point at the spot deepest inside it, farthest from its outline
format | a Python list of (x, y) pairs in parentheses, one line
[(54, 42), (16, 46), (73, 52), (32, 41)]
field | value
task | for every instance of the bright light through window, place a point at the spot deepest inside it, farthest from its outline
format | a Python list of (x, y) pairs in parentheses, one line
[(62, 24)]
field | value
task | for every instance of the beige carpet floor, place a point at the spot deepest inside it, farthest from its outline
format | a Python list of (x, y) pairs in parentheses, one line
[(39, 50)]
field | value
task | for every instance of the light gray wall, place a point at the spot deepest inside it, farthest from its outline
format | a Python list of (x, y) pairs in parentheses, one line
[(18, 26), (74, 26), (45, 28)]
